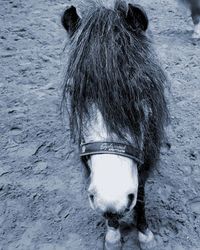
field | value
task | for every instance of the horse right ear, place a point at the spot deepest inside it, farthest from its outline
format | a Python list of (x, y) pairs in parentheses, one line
[(70, 20)]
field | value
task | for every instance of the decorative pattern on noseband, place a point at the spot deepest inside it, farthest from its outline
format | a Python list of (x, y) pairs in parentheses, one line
[(92, 148)]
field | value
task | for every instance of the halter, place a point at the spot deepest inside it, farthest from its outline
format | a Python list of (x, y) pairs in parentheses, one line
[(93, 148)]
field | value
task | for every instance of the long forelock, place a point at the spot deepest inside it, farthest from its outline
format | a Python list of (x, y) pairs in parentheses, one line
[(112, 68)]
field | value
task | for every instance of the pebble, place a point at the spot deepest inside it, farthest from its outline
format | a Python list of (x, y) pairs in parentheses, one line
[(4, 170), (40, 166), (25, 151), (185, 169), (15, 131)]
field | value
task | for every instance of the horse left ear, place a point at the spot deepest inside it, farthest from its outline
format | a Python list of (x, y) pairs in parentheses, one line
[(137, 17), (70, 20)]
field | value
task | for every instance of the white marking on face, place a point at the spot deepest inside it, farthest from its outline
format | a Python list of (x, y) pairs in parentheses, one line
[(113, 178), (95, 129)]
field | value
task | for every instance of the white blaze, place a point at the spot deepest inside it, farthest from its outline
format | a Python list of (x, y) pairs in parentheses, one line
[(113, 178)]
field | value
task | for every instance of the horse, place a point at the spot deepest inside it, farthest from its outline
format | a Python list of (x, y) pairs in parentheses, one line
[(194, 6), (114, 91)]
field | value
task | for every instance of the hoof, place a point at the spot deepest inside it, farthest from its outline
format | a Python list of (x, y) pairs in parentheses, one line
[(113, 240), (147, 240), (196, 34), (112, 246)]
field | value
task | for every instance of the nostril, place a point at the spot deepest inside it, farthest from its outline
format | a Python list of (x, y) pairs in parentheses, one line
[(91, 196), (130, 200)]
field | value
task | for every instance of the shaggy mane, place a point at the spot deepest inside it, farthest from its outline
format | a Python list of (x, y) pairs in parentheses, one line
[(112, 67)]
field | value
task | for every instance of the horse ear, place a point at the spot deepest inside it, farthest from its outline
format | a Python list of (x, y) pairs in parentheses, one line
[(137, 17), (70, 20)]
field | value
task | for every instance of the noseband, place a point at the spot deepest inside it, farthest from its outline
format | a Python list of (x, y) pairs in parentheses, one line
[(94, 148)]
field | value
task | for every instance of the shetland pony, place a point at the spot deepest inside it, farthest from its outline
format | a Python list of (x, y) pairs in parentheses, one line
[(114, 92)]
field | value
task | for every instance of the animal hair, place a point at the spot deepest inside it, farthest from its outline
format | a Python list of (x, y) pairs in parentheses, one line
[(113, 68)]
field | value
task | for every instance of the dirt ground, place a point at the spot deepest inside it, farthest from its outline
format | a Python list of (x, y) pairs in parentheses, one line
[(43, 202)]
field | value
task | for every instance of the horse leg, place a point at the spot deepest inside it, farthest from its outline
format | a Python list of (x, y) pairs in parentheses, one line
[(196, 33), (195, 12), (113, 236), (145, 236)]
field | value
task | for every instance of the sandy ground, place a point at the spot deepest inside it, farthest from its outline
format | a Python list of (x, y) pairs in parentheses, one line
[(43, 204)]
